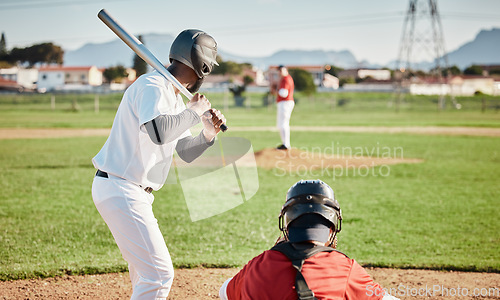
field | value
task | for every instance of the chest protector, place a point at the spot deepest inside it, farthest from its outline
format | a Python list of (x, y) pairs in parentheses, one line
[(297, 254)]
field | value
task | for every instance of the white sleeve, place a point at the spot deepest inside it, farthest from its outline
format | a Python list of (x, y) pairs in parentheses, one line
[(283, 93), (389, 297), (222, 291), (149, 104)]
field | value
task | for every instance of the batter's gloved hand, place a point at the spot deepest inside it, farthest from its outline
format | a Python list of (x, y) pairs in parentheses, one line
[(212, 120), (199, 104)]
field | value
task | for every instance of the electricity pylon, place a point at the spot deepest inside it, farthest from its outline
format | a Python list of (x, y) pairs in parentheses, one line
[(422, 48)]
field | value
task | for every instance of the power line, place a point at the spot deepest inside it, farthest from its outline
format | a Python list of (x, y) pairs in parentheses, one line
[(468, 14), (331, 22), (465, 17), (306, 25), (37, 4), (19, 1)]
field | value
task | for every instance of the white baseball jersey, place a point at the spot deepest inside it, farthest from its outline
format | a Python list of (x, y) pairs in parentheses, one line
[(129, 152)]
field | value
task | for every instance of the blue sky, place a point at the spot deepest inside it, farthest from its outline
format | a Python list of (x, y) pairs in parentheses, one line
[(370, 29)]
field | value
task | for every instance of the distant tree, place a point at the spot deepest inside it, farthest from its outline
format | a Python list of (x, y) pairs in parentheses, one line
[(16, 55), (419, 73), (454, 70), (114, 73), (140, 66), (230, 67), (333, 70), (3, 47), (303, 81), (494, 72), (360, 80), (46, 53), (345, 80), (247, 80), (473, 70)]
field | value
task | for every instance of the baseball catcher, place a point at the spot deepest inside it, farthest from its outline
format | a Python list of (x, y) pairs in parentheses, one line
[(305, 264)]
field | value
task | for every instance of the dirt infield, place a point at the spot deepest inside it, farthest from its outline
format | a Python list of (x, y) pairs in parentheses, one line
[(27, 133), (425, 130), (200, 283)]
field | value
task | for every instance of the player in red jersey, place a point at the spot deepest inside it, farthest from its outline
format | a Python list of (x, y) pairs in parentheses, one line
[(305, 264)]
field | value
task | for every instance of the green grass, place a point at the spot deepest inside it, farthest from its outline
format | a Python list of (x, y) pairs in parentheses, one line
[(433, 214), (439, 214), (323, 109)]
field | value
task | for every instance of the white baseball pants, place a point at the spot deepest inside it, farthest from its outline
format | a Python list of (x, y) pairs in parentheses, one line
[(127, 210), (283, 115)]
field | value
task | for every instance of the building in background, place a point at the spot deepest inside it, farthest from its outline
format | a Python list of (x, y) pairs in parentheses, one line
[(464, 85), (330, 81), (57, 78), (25, 79), (376, 74)]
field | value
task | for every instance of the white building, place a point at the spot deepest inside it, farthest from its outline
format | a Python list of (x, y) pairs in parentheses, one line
[(370, 86), (330, 81), (458, 86), (26, 78), (468, 85), (430, 89), (377, 74), (496, 88), (68, 78)]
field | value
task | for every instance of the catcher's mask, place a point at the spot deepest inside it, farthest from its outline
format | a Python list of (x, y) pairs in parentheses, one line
[(313, 201), (196, 49)]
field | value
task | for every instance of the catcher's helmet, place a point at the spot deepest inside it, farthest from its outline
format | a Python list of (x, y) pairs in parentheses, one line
[(310, 197), (196, 49)]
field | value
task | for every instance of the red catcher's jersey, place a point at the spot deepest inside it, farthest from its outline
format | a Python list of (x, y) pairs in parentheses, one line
[(286, 83), (330, 275)]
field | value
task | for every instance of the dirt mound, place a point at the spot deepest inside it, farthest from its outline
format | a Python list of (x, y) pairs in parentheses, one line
[(299, 159)]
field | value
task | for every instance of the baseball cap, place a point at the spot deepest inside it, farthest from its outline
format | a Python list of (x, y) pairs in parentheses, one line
[(309, 227)]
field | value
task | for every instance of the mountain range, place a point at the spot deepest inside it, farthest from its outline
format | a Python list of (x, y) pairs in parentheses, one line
[(484, 49)]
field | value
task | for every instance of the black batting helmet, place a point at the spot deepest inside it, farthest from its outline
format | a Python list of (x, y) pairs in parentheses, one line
[(196, 49), (310, 197)]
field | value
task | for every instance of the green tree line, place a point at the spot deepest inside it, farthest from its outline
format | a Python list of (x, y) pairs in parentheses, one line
[(44, 53)]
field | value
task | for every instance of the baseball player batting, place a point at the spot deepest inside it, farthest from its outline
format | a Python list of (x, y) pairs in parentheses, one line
[(151, 123)]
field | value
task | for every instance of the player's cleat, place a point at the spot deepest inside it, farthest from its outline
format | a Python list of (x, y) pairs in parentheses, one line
[(282, 147)]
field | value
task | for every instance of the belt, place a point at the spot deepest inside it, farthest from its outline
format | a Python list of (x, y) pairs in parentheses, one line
[(105, 175)]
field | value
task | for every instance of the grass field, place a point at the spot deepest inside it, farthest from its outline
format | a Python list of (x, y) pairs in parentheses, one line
[(439, 214), (372, 109)]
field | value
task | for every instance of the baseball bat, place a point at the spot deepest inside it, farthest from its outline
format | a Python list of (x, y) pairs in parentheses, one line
[(144, 53)]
